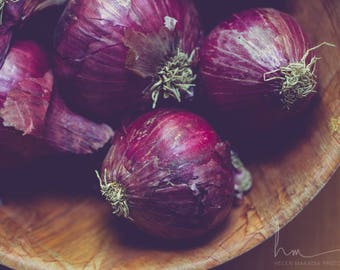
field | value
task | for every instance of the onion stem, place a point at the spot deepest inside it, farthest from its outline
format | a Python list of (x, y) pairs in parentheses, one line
[(242, 177), (115, 194), (299, 79), (175, 77)]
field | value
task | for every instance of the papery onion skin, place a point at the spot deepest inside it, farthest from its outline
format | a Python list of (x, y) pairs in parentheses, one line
[(102, 45), (69, 132), (175, 173), (34, 119), (26, 84), (235, 58)]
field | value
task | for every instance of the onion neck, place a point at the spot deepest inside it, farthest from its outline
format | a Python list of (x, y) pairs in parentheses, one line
[(298, 78), (175, 78), (115, 194), (2, 7)]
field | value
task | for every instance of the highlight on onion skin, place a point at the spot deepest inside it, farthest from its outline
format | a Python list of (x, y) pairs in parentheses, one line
[(112, 57), (258, 67), (34, 119), (170, 174)]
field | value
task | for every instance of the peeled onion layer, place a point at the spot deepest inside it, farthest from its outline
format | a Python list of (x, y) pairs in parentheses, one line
[(108, 53), (258, 71), (34, 119), (170, 174)]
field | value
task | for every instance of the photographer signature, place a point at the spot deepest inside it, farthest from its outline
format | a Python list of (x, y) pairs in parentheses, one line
[(293, 252)]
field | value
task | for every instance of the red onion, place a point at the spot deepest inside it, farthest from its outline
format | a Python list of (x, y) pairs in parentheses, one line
[(117, 56), (29, 107), (170, 174), (257, 68), (26, 85), (67, 131), (5, 39), (14, 12), (12, 15)]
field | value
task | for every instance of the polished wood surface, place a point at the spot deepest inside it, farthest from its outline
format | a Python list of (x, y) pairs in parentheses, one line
[(44, 229), (314, 233)]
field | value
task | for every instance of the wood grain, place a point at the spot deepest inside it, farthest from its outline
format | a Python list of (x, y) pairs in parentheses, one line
[(45, 229), (314, 232)]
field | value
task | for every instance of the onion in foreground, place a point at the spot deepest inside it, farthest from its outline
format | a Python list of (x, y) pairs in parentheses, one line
[(118, 56), (257, 67), (170, 174)]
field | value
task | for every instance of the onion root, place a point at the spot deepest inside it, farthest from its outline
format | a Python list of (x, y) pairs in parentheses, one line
[(115, 194), (299, 79)]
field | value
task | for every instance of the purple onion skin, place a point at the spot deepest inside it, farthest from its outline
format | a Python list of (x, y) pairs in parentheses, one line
[(176, 173), (69, 132), (5, 40), (14, 14), (26, 83), (91, 55), (34, 121), (63, 132), (234, 58)]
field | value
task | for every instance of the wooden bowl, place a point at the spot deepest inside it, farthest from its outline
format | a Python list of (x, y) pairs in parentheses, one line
[(52, 224)]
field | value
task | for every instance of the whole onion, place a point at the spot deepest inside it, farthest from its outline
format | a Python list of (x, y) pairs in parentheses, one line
[(115, 56), (34, 120), (170, 174), (256, 68)]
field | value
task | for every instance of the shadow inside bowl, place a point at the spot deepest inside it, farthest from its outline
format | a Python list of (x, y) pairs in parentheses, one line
[(63, 175)]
